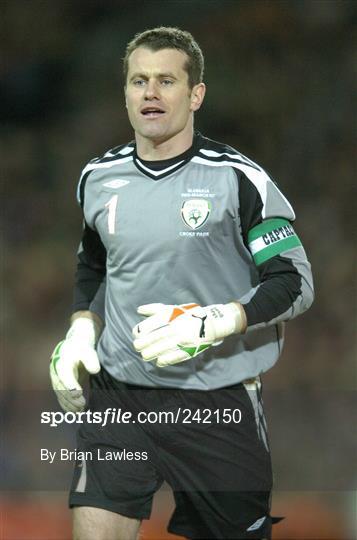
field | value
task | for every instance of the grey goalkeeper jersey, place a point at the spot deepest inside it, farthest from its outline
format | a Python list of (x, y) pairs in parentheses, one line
[(210, 227)]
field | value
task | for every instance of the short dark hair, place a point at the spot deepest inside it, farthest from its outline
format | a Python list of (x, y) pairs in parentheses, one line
[(166, 37)]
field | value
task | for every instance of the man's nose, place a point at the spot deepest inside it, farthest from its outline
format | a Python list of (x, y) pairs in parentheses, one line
[(152, 90)]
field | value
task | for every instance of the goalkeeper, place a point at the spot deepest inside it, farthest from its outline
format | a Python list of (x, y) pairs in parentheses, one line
[(188, 268)]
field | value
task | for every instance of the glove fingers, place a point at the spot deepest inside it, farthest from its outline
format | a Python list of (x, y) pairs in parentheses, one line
[(90, 361), (158, 319), (147, 340), (155, 322), (161, 347), (67, 376), (137, 330), (150, 309), (172, 357), (172, 319), (62, 367), (56, 383), (159, 316), (70, 403)]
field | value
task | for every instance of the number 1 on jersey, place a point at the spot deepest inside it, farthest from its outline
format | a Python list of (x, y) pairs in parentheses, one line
[(112, 207)]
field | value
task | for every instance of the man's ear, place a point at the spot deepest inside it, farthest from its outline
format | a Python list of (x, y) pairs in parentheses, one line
[(197, 96), (126, 103)]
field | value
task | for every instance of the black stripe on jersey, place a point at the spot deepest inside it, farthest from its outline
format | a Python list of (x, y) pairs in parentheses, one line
[(280, 286), (94, 162), (81, 188), (117, 149), (228, 151), (115, 153), (226, 157), (113, 157), (250, 205)]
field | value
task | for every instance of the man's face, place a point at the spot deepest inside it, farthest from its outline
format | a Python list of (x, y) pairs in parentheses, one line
[(159, 100)]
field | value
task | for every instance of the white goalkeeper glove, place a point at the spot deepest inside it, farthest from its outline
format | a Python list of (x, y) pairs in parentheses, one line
[(173, 334), (78, 348)]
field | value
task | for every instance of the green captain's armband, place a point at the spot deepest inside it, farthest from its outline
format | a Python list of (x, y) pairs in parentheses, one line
[(271, 238)]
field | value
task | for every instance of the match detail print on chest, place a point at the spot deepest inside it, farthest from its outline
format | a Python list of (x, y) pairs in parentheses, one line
[(197, 204)]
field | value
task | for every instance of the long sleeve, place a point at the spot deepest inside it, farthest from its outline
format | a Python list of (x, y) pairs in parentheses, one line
[(90, 276), (284, 282), (91, 272)]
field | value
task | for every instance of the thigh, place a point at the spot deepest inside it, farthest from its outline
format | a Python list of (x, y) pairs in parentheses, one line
[(221, 471), (99, 524), (114, 469)]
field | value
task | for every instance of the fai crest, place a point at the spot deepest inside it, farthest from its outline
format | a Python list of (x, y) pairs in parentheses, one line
[(195, 212)]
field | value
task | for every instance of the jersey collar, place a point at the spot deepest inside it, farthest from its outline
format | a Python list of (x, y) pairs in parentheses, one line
[(161, 168)]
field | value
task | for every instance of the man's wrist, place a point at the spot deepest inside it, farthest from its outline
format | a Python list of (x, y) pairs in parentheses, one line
[(86, 327), (239, 316), (94, 319)]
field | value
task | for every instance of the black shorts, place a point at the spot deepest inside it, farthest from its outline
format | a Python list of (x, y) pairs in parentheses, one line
[(209, 446)]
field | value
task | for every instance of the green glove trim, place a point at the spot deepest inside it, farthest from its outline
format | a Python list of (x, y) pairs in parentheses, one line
[(56, 355), (193, 351)]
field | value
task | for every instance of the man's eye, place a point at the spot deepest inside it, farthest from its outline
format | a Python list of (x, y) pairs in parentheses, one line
[(139, 82), (167, 82)]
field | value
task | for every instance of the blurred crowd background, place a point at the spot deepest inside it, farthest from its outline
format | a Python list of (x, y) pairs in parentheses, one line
[(280, 79)]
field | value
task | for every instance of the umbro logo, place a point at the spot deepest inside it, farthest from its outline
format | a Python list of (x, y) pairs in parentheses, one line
[(117, 183), (257, 524)]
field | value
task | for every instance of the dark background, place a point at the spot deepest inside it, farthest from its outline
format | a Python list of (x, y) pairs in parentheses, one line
[(280, 81)]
